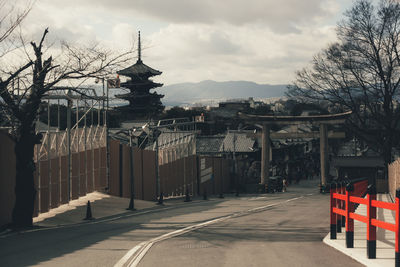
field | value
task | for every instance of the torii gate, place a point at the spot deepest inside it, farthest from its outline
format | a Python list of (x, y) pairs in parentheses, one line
[(321, 120)]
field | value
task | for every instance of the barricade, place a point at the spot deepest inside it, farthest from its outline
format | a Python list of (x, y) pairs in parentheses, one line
[(344, 196)]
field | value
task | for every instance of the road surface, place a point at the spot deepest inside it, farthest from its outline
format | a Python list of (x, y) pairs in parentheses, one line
[(281, 229)]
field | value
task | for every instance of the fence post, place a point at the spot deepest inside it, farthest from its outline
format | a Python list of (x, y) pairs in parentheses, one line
[(371, 230), (338, 205), (349, 222), (343, 192), (121, 154), (332, 214), (397, 246)]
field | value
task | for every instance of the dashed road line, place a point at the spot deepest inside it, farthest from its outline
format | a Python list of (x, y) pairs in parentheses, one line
[(136, 254)]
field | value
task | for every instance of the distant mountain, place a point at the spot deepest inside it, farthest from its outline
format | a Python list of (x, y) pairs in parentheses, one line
[(206, 91)]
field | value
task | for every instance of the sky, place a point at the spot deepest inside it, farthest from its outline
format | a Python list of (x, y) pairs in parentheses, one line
[(263, 41)]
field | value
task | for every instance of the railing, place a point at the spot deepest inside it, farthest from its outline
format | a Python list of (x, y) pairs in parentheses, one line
[(344, 196)]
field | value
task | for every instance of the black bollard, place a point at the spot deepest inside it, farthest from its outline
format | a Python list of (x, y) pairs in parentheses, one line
[(88, 212), (161, 199), (187, 196), (205, 195), (131, 204), (338, 205), (332, 189), (349, 221)]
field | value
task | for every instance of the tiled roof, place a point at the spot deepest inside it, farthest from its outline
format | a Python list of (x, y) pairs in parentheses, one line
[(238, 142), (167, 139), (209, 144), (139, 69), (358, 162)]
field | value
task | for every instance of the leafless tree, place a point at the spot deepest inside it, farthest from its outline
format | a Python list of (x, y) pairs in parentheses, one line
[(38, 75), (361, 73)]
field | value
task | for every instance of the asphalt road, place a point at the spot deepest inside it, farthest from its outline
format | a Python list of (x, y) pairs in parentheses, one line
[(282, 229)]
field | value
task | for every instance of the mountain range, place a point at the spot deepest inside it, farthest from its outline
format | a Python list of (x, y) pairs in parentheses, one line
[(212, 91)]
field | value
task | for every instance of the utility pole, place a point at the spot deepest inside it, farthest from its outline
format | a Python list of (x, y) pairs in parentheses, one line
[(132, 201), (69, 105), (155, 134), (107, 143)]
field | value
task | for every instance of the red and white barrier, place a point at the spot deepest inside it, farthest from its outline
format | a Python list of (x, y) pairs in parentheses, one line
[(342, 204)]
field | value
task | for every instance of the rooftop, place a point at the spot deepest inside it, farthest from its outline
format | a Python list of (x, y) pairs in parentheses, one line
[(139, 69)]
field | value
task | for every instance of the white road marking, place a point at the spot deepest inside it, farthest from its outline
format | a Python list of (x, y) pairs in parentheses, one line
[(256, 198), (145, 246), (128, 255), (135, 261)]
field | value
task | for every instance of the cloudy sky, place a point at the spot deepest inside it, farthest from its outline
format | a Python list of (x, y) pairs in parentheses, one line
[(264, 41)]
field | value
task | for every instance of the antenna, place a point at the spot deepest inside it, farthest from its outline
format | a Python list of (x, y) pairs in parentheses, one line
[(139, 49)]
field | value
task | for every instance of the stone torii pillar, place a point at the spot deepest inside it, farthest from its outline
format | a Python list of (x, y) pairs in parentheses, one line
[(323, 148), (265, 155)]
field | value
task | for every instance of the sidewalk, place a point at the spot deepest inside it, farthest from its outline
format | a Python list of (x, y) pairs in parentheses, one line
[(385, 251), (102, 206)]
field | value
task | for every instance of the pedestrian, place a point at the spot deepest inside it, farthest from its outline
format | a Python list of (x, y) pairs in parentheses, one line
[(298, 175), (284, 185)]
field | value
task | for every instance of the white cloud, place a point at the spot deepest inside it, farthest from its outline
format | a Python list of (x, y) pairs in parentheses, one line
[(264, 41), (189, 52), (280, 16)]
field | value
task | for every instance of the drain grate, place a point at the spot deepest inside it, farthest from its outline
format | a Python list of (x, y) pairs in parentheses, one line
[(196, 245)]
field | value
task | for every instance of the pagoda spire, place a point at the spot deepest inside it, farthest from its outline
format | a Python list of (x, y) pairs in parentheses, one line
[(139, 49)]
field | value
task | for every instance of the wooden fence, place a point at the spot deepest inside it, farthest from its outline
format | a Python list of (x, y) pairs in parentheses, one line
[(197, 174), (88, 173), (7, 178), (394, 177), (143, 164)]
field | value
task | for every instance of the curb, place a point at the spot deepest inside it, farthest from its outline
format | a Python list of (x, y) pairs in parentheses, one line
[(354, 253), (8, 232)]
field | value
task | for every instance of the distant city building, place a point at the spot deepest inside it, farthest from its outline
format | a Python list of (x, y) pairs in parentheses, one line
[(235, 104), (142, 103)]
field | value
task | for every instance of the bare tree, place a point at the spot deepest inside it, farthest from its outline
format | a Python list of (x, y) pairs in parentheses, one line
[(361, 73), (37, 77)]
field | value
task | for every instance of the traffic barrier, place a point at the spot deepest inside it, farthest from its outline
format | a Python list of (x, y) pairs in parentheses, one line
[(131, 204), (88, 212), (161, 199), (187, 195), (343, 200)]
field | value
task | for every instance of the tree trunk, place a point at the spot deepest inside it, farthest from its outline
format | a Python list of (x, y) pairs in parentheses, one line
[(25, 191)]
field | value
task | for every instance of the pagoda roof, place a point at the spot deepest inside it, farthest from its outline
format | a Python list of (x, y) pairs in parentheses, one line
[(139, 69), (138, 96), (144, 83)]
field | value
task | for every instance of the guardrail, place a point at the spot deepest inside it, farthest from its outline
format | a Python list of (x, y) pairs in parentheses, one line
[(344, 196)]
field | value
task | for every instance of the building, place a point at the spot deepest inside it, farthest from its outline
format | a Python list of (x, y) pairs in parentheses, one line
[(142, 102)]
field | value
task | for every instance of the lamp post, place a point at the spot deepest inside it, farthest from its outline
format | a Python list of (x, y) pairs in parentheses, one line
[(132, 201)]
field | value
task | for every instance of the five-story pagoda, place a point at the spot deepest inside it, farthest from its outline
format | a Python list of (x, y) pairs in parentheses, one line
[(142, 103)]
